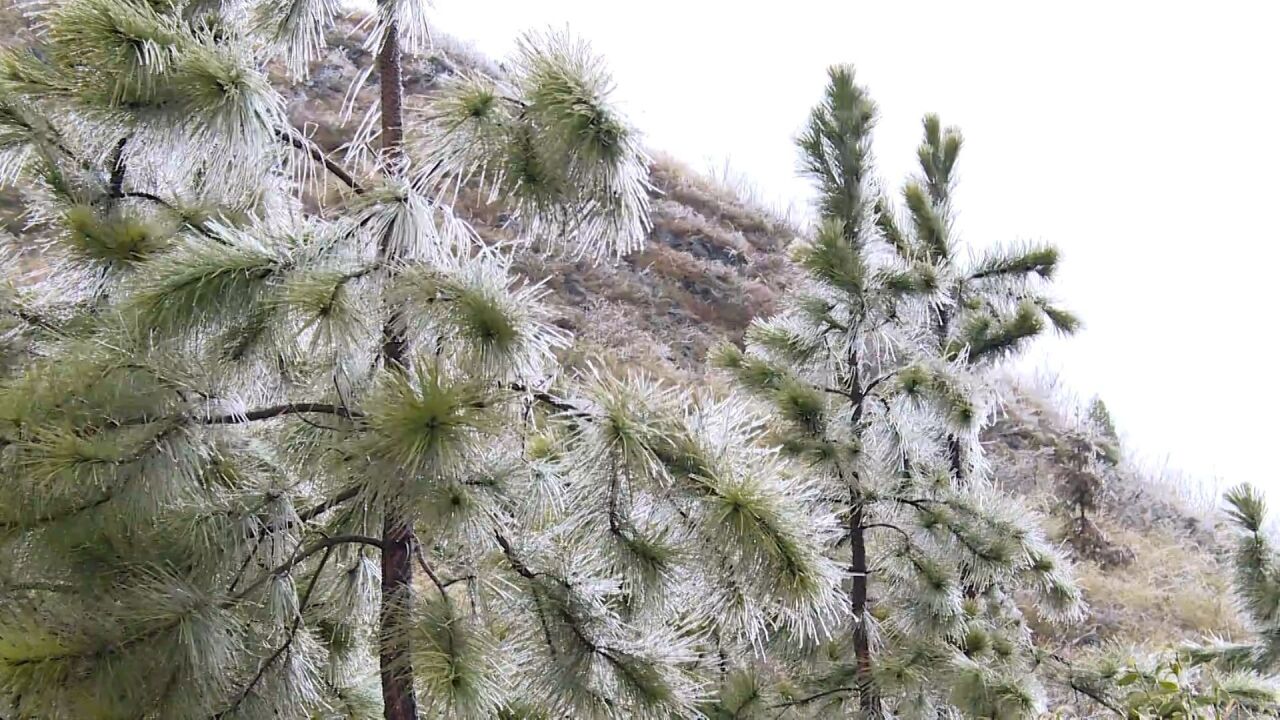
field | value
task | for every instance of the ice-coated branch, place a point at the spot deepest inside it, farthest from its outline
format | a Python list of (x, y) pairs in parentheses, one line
[(301, 555), (292, 137), (288, 642)]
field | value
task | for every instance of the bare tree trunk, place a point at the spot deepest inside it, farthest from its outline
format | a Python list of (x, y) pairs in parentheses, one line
[(395, 665), (868, 697)]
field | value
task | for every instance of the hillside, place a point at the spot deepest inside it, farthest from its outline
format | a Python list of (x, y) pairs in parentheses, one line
[(713, 261)]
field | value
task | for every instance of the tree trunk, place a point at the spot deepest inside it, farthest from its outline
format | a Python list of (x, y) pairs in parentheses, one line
[(394, 662), (956, 456), (868, 697), (395, 667)]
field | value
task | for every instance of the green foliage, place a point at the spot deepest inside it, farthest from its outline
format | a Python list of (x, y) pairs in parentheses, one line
[(112, 241), (1171, 684), (1100, 419), (987, 309), (204, 279), (835, 149), (833, 259), (930, 226), (1040, 260), (271, 450)]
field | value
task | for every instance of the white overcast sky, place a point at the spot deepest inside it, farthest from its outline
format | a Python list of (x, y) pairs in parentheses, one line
[(1141, 137)]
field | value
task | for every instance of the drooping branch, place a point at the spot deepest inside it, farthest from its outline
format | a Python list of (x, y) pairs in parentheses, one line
[(156, 199), (572, 623), (888, 526)]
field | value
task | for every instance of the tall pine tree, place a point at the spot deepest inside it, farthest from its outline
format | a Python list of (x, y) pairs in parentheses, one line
[(866, 398), (263, 458)]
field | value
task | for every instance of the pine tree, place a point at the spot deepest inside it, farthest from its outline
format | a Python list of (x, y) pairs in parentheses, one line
[(862, 395), (1084, 468), (981, 309), (1105, 427), (264, 456)]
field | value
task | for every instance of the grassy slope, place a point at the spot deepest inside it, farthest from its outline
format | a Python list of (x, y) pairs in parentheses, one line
[(1176, 588)]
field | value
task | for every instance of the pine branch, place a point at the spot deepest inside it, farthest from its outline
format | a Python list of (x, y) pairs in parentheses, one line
[(523, 570), (116, 184), (332, 502), (815, 696), (302, 555), (1040, 261), (156, 199), (248, 559), (608, 654), (889, 526), (1074, 683), (275, 411), (516, 563), (876, 381), (33, 320), (291, 136), (266, 413), (431, 573), (551, 401), (43, 518), (39, 586), (287, 646), (842, 393)]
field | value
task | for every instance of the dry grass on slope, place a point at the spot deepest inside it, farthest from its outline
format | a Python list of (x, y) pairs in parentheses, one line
[(1173, 591), (1177, 586)]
